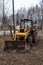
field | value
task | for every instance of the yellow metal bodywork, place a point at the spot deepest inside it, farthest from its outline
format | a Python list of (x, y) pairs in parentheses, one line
[(22, 34)]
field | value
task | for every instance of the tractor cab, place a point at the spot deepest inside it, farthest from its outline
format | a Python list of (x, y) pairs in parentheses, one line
[(25, 24)]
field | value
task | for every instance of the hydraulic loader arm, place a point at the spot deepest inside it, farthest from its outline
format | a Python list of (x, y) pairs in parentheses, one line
[(25, 34)]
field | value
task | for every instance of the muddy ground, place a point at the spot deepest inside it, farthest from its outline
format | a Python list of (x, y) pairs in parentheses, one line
[(32, 57)]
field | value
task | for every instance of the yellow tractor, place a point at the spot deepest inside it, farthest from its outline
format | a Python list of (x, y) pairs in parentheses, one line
[(25, 36)]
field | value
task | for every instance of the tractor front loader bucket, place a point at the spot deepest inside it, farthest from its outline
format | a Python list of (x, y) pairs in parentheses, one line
[(15, 44)]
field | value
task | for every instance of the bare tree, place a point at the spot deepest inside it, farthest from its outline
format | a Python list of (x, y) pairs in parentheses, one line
[(41, 7), (17, 18), (4, 9), (4, 19)]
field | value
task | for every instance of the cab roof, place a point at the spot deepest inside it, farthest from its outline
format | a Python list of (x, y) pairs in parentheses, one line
[(26, 20)]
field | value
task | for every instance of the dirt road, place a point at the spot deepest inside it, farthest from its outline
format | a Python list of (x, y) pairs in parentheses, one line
[(32, 57)]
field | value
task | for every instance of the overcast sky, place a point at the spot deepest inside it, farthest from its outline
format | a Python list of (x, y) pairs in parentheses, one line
[(25, 3), (18, 4)]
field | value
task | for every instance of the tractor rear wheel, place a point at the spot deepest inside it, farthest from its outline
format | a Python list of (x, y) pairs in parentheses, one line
[(34, 37), (30, 41)]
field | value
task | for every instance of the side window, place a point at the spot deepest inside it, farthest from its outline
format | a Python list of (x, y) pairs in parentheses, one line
[(25, 24), (29, 24), (22, 25)]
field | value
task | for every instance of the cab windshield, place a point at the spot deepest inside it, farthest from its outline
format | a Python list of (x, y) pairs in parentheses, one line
[(25, 24)]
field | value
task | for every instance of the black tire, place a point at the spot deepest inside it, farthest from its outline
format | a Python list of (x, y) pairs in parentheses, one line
[(27, 39), (34, 37), (30, 41)]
